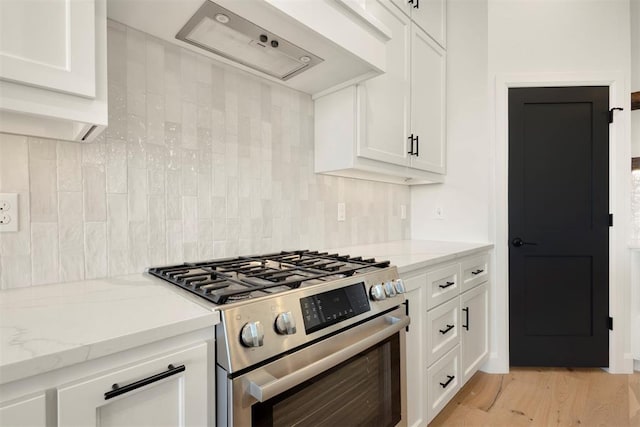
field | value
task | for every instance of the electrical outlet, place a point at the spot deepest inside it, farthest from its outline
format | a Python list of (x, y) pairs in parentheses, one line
[(342, 212), (439, 212), (8, 212), (403, 211)]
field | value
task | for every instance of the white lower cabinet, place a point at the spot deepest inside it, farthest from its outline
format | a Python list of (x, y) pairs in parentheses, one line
[(416, 339), (443, 381), (474, 313), (170, 390), (448, 337), (164, 383), (27, 411)]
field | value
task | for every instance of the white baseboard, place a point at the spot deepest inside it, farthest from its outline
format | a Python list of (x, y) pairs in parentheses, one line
[(495, 365)]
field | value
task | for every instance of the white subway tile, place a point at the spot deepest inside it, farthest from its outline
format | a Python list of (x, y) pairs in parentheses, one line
[(94, 193), (138, 193), (15, 271), (138, 246), (44, 253), (69, 166), (14, 163), (95, 263), (190, 218), (116, 166), (44, 198)]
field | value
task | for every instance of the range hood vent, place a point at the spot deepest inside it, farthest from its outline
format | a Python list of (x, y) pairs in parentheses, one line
[(224, 33)]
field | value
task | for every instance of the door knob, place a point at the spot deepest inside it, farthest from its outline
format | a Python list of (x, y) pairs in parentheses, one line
[(517, 242)]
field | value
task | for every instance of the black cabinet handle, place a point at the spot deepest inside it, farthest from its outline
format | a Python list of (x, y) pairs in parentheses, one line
[(446, 285), (417, 139), (410, 138), (416, 5), (448, 328), (466, 312), (450, 378), (518, 242), (117, 390), (475, 273)]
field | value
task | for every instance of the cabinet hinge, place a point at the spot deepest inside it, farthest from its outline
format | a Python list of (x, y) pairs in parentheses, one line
[(611, 113), (610, 220), (406, 310), (610, 323)]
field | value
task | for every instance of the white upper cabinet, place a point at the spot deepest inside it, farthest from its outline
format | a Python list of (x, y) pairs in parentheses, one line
[(49, 44), (385, 125), (53, 68), (428, 102), (430, 15), (390, 128)]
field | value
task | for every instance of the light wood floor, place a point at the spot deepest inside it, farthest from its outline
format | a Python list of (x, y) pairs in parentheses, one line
[(545, 397)]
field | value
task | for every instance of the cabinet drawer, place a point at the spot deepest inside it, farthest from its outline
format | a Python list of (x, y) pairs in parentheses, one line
[(442, 284), (443, 382), (474, 271), (443, 332), (168, 390)]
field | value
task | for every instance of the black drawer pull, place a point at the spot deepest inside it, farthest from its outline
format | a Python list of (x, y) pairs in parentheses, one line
[(410, 138), (444, 331), (476, 272), (446, 285), (451, 378), (466, 312), (117, 390)]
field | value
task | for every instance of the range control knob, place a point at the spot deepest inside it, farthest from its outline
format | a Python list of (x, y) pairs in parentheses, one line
[(400, 286), (377, 292), (252, 334), (390, 289), (285, 323)]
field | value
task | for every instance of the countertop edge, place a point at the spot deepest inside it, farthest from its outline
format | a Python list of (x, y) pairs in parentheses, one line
[(42, 364), (444, 258)]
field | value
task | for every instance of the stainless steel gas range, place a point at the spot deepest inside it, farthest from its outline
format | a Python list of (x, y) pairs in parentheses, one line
[(306, 338)]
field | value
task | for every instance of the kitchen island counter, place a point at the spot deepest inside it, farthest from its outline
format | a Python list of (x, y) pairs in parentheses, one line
[(43, 328)]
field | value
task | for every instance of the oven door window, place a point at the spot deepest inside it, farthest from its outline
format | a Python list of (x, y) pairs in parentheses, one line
[(362, 391)]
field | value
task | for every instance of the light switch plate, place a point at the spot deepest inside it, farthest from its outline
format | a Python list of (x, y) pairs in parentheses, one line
[(9, 212), (342, 212)]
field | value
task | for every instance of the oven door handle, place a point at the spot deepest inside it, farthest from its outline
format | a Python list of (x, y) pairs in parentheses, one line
[(266, 386)]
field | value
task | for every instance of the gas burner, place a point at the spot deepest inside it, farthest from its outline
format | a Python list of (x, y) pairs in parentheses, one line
[(234, 279)]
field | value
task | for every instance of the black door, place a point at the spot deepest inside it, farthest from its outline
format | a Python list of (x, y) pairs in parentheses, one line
[(559, 226)]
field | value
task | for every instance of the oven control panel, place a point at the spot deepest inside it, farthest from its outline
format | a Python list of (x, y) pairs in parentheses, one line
[(254, 331), (322, 310)]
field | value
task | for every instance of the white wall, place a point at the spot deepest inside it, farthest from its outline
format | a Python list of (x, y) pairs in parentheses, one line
[(557, 42), (464, 197), (635, 74)]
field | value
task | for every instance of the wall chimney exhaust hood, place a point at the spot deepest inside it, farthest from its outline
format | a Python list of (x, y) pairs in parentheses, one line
[(314, 46)]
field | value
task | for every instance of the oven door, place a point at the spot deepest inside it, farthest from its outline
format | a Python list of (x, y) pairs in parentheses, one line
[(353, 378)]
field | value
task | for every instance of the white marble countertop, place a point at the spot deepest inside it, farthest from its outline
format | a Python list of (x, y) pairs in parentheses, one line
[(410, 255), (47, 327)]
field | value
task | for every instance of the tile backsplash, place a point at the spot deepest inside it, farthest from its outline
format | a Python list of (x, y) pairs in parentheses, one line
[(199, 161)]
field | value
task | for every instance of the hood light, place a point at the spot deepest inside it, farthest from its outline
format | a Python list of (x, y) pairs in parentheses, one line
[(305, 59), (222, 18)]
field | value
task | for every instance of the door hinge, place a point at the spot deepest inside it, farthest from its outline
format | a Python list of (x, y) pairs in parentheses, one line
[(610, 220), (610, 323), (611, 113), (406, 310)]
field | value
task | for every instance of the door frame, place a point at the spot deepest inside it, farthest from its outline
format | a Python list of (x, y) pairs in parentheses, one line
[(620, 356)]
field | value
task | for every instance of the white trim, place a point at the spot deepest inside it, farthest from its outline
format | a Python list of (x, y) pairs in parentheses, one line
[(619, 201)]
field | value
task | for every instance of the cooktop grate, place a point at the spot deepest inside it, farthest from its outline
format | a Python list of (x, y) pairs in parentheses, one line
[(232, 279)]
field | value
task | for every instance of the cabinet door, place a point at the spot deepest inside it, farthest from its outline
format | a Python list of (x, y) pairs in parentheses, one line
[(416, 363), (475, 333), (428, 102), (384, 101), (26, 412), (175, 400), (49, 44), (430, 15)]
